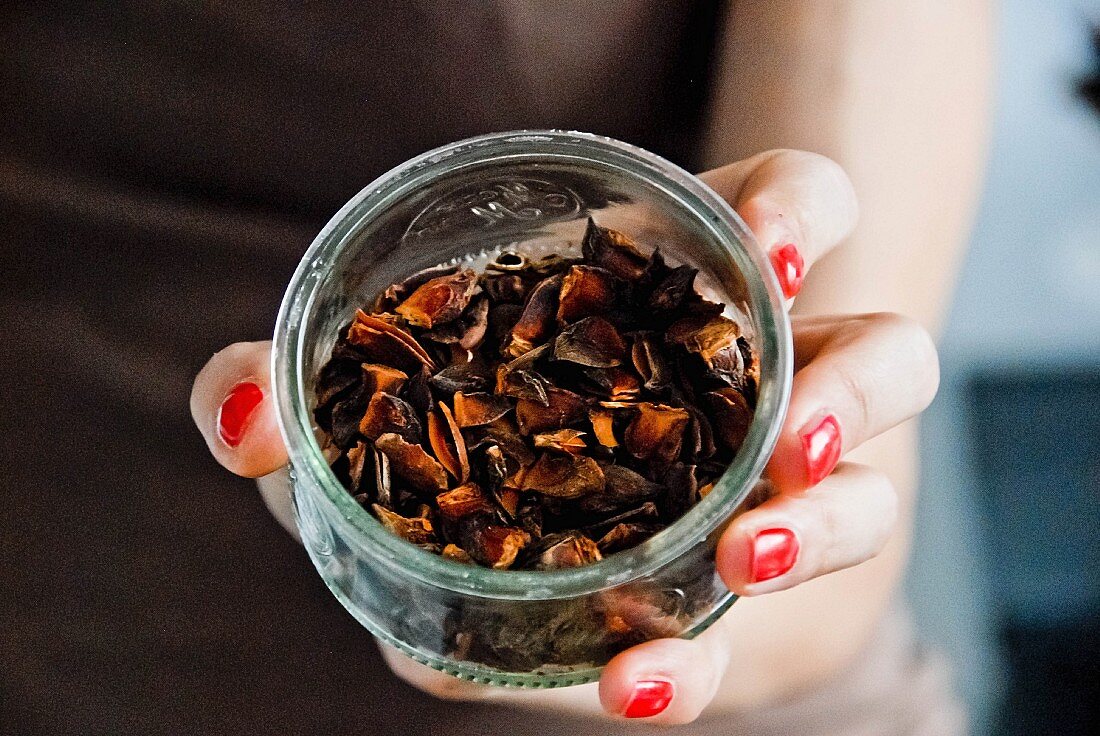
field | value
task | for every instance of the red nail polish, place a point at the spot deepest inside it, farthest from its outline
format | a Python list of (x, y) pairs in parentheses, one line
[(774, 552), (649, 698), (235, 411), (788, 265), (821, 446)]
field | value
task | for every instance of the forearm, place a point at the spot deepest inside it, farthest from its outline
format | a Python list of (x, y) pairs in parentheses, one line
[(898, 94)]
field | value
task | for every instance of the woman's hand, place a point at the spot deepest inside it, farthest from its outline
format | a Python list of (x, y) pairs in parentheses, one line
[(856, 377)]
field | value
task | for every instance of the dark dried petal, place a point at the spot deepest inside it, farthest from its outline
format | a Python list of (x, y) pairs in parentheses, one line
[(614, 251), (465, 377), (566, 550), (502, 320), (625, 536), (650, 363), (413, 464), (592, 342), (393, 295), (671, 293), (417, 530), (479, 409), (504, 288), (704, 336), (626, 486), (387, 413), (538, 319), (529, 515), (562, 409), (335, 378), (645, 513), (417, 391), (683, 490), (614, 384), (440, 300), (357, 461), (469, 331), (496, 546), (521, 379), (698, 437), (503, 432), (732, 416), (346, 414), (656, 432), (383, 342), (585, 291), (562, 440), (564, 476)]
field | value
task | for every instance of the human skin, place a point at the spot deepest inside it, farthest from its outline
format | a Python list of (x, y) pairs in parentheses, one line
[(819, 78)]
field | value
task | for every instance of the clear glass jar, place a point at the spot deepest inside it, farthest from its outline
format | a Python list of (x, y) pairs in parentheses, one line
[(524, 190)]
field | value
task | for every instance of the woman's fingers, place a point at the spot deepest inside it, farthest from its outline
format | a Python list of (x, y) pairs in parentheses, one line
[(844, 520), (231, 402), (859, 376), (799, 205), (666, 681)]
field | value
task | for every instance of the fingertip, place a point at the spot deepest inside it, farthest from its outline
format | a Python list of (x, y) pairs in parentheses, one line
[(665, 681), (233, 407)]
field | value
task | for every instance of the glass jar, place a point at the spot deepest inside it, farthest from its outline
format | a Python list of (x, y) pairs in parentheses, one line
[(522, 191)]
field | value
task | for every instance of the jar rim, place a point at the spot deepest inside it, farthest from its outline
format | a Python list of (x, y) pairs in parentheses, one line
[(291, 342)]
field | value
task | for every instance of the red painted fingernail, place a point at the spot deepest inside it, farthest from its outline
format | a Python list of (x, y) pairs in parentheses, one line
[(236, 409), (649, 698), (821, 446), (788, 265), (774, 552)]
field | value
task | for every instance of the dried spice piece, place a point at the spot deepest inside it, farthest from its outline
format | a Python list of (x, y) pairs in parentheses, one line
[(593, 342), (563, 440), (613, 251), (411, 463), (564, 476), (732, 416), (497, 546), (417, 530), (562, 409), (382, 341), (479, 409), (586, 291), (387, 413), (440, 300), (656, 432), (566, 550), (539, 316), (539, 415), (625, 535)]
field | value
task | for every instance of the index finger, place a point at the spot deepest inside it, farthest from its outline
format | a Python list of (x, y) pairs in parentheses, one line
[(799, 205)]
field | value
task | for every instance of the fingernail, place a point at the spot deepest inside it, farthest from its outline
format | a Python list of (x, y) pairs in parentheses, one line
[(788, 265), (649, 698), (821, 446), (236, 409), (774, 552)]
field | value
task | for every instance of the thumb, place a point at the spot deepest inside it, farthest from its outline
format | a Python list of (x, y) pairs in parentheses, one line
[(666, 681), (232, 404)]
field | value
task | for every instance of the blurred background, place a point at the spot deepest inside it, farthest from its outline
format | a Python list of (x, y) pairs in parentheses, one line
[(118, 616), (1006, 568)]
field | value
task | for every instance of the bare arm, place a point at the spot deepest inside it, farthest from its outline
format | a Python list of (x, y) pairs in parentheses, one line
[(898, 94)]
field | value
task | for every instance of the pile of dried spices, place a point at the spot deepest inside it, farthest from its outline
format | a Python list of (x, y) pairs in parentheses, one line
[(541, 414)]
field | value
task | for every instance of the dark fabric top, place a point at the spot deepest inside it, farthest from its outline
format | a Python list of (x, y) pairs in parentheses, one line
[(162, 167)]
